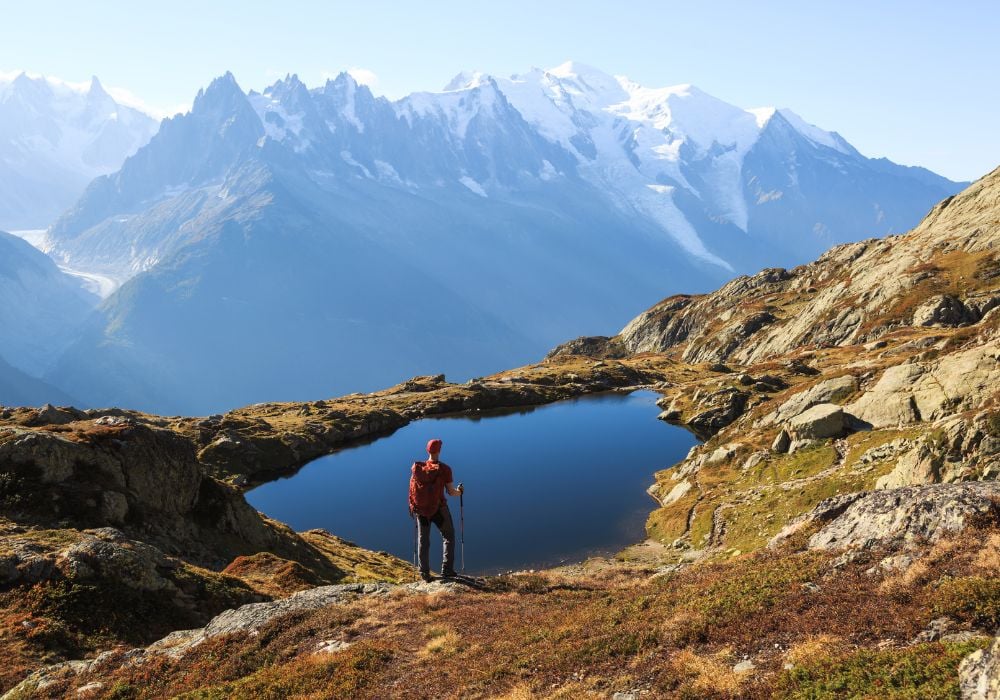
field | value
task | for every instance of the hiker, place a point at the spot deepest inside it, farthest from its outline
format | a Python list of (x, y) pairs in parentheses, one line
[(429, 481)]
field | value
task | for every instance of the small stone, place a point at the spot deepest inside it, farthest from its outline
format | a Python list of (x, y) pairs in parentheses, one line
[(332, 646), (744, 666), (781, 443), (114, 507)]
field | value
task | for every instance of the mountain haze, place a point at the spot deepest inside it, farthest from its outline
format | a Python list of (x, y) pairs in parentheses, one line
[(303, 242), (55, 137), (43, 307)]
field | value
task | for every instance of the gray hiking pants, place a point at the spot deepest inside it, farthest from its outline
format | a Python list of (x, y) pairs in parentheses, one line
[(444, 523)]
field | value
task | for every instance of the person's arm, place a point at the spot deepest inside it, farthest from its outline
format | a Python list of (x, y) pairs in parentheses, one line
[(452, 491)]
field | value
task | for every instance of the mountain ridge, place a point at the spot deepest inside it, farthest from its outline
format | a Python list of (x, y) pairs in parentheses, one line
[(57, 137), (519, 235)]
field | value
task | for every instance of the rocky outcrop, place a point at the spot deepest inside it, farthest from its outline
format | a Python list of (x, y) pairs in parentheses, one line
[(922, 391), (902, 517), (247, 618), (979, 674), (832, 390), (921, 465), (597, 346), (661, 326), (717, 410), (146, 481), (825, 420), (944, 310)]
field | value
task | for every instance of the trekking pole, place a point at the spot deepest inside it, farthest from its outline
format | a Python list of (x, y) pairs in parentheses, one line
[(461, 521), (415, 564)]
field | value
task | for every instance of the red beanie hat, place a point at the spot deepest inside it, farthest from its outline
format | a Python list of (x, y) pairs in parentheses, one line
[(433, 446)]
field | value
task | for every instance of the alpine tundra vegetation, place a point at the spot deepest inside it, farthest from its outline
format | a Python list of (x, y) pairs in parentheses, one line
[(836, 533)]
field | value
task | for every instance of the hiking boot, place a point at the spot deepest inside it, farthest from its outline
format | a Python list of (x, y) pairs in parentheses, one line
[(449, 574), (426, 577)]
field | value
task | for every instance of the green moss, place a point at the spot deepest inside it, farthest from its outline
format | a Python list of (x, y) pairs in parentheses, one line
[(702, 522), (670, 522), (798, 465), (971, 599), (918, 672), (752, 587), (122, 691), (749, 525), (859, 443), (345, 675)]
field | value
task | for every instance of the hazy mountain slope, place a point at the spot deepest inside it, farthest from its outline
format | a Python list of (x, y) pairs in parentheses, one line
[(20, 389), (287, 300), (41, 308), (54, 139)]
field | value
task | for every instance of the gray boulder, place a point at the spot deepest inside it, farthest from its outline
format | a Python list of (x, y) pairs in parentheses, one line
[(825, 420), (781, 442), (896, 517), (828, 391)]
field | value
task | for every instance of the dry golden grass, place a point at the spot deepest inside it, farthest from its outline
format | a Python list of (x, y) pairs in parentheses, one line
[(518, 692), (442, 643), (711, 675), (987, 560), (814, 647)]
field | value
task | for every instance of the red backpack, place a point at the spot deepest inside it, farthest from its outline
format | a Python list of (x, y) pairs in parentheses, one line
[(425, 488)]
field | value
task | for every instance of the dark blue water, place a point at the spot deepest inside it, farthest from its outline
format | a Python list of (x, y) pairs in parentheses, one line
[(543, 486)]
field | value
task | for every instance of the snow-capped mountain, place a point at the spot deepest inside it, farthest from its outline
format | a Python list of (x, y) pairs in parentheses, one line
[(55, 137), (325, 240)]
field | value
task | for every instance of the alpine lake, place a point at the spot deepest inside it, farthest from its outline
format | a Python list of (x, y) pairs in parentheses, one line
[(543, 486)]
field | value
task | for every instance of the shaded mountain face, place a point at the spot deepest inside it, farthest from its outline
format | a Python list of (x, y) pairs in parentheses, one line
[(20, 389), (42, 310), (300, 242), (54, 139)]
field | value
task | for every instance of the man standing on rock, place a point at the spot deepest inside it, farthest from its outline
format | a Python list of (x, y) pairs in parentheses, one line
[(429, 481)]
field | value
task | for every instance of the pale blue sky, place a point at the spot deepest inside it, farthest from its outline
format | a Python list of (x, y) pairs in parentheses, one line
[(915, 80)]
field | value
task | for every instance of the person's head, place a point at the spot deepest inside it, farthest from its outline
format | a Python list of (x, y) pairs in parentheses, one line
[(434, 448)]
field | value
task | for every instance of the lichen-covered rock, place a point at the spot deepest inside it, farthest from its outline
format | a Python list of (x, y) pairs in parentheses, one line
[(146, 481), (782, 441), (921, 391), (979, 674), (921, 465), (895, 518)]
